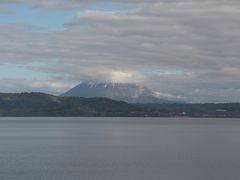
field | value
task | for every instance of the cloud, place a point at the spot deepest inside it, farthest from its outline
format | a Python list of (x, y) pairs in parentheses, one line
[(20, 85), (196, 42), (66, 4)]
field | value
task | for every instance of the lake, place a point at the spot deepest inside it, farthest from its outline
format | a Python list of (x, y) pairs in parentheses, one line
[(119, 149)]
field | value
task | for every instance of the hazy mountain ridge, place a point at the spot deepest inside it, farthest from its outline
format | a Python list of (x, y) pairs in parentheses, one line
[(131, 93), (39, 104)]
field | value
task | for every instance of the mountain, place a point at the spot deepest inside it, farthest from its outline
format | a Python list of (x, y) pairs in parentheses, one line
[(127, 92), (39, 104)]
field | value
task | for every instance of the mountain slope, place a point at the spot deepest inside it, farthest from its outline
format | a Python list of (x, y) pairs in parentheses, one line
[(39, 104), (130, 93)]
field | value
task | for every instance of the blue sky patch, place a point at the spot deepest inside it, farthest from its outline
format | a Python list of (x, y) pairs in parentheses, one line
[(48, 19), (51, 20)]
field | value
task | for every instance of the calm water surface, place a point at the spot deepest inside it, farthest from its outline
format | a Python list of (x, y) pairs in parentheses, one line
[(119, 149)]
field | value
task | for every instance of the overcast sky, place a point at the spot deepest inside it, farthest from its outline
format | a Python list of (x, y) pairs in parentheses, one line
[(188, 49)]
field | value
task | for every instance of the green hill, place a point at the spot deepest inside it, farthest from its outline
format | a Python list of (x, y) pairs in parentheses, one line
[(39, 104)]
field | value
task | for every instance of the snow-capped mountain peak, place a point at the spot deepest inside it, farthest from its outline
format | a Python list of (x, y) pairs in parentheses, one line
[(131, 93)]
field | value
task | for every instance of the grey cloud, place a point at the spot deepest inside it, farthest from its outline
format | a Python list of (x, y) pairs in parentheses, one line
[(80, 3), (22, 85), (200, 39)]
